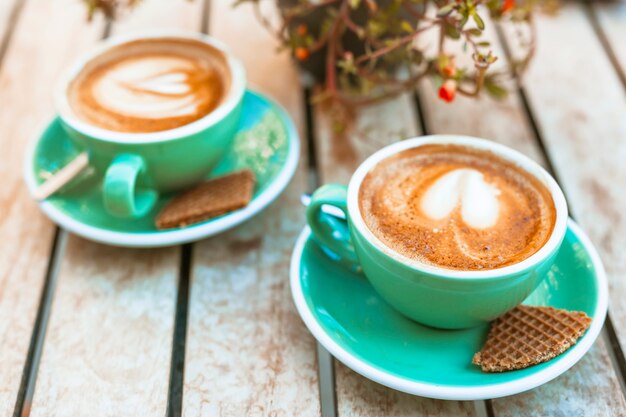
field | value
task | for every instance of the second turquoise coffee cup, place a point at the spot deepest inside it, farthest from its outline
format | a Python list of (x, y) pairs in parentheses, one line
[(434, 296)]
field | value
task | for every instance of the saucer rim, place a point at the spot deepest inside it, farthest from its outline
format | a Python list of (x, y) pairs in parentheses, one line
[(456, 392), (192, 233)]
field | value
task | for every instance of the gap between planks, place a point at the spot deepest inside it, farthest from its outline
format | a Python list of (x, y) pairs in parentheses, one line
[(608, 334), (177, 366), (325, 361), (31, 365), (602, 37), (5, 37), (181, 319)]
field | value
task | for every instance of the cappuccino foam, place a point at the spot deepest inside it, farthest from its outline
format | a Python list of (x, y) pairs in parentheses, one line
[(150, 85), (456, 207)]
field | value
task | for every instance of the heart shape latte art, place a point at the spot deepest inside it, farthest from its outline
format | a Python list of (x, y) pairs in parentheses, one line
[(467, 188), (456, 207)]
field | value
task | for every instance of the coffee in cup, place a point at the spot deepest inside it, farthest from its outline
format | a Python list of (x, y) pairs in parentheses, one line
[(150, 85), (451, 231), (155, 112), (456, 207)]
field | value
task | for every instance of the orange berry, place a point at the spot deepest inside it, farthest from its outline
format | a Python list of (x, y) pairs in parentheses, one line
[(447, 91), (449, 70), (302, 54), (507, 5), (302, 29), (372, 6)]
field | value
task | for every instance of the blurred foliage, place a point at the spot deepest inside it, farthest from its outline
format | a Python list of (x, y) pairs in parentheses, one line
[(391, 56)]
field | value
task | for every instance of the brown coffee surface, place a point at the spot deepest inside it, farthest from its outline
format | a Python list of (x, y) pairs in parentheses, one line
[(456, 207), (150, 85)]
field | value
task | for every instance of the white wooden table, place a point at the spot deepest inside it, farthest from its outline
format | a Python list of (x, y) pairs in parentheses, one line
[(209, 329)]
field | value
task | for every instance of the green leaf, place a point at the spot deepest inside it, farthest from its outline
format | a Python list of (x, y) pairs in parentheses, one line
[(445, 10), (474, 32), (417, 57), (366, 86), (483, 44), (452, 32), (443, 60), (347, 65), (309, 40), (495, 90), (406, 26), (326, 25), (463, 20), (479, 21), (376, 28)]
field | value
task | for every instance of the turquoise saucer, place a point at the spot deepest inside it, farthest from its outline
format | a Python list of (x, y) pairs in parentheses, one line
[(267, 143), (355, 325)]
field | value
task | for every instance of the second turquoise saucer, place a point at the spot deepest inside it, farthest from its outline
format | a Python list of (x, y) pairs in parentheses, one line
[(267, 143), (346, 315)]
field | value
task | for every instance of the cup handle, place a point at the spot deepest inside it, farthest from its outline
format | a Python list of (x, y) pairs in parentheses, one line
[(329, 231), (122, 197)]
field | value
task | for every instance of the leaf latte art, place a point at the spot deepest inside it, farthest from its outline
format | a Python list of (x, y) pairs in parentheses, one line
[(456, 207), (149, 86)]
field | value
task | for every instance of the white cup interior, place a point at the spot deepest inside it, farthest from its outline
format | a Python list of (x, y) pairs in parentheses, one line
[(232, 97), (502, 151)]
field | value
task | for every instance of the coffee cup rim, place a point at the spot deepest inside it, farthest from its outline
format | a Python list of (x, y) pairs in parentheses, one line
[(530, 166), (231, 100)]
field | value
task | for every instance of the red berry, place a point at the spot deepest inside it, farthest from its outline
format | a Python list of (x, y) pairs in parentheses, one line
[(447, 91)]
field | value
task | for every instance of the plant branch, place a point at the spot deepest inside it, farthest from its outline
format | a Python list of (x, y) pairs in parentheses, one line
[(385, 50)]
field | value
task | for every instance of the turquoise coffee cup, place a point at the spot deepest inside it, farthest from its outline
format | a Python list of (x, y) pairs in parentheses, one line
[(136, 167), (437, 297)]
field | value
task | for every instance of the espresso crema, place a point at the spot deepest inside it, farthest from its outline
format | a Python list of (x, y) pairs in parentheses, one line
[(456, 207), (150, 85)]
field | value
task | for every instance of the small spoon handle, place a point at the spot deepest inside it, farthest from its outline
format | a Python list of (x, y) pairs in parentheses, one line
[(62, 177)]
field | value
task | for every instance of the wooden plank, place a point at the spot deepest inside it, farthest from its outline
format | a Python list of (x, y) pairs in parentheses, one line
[(6, 10), (28, 71), (108, 346), (107, 350), (579, 105), (359, 397), (591, 387), (373, 128), (155, 15), (248, 352), (612, 19), (339, 155)]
